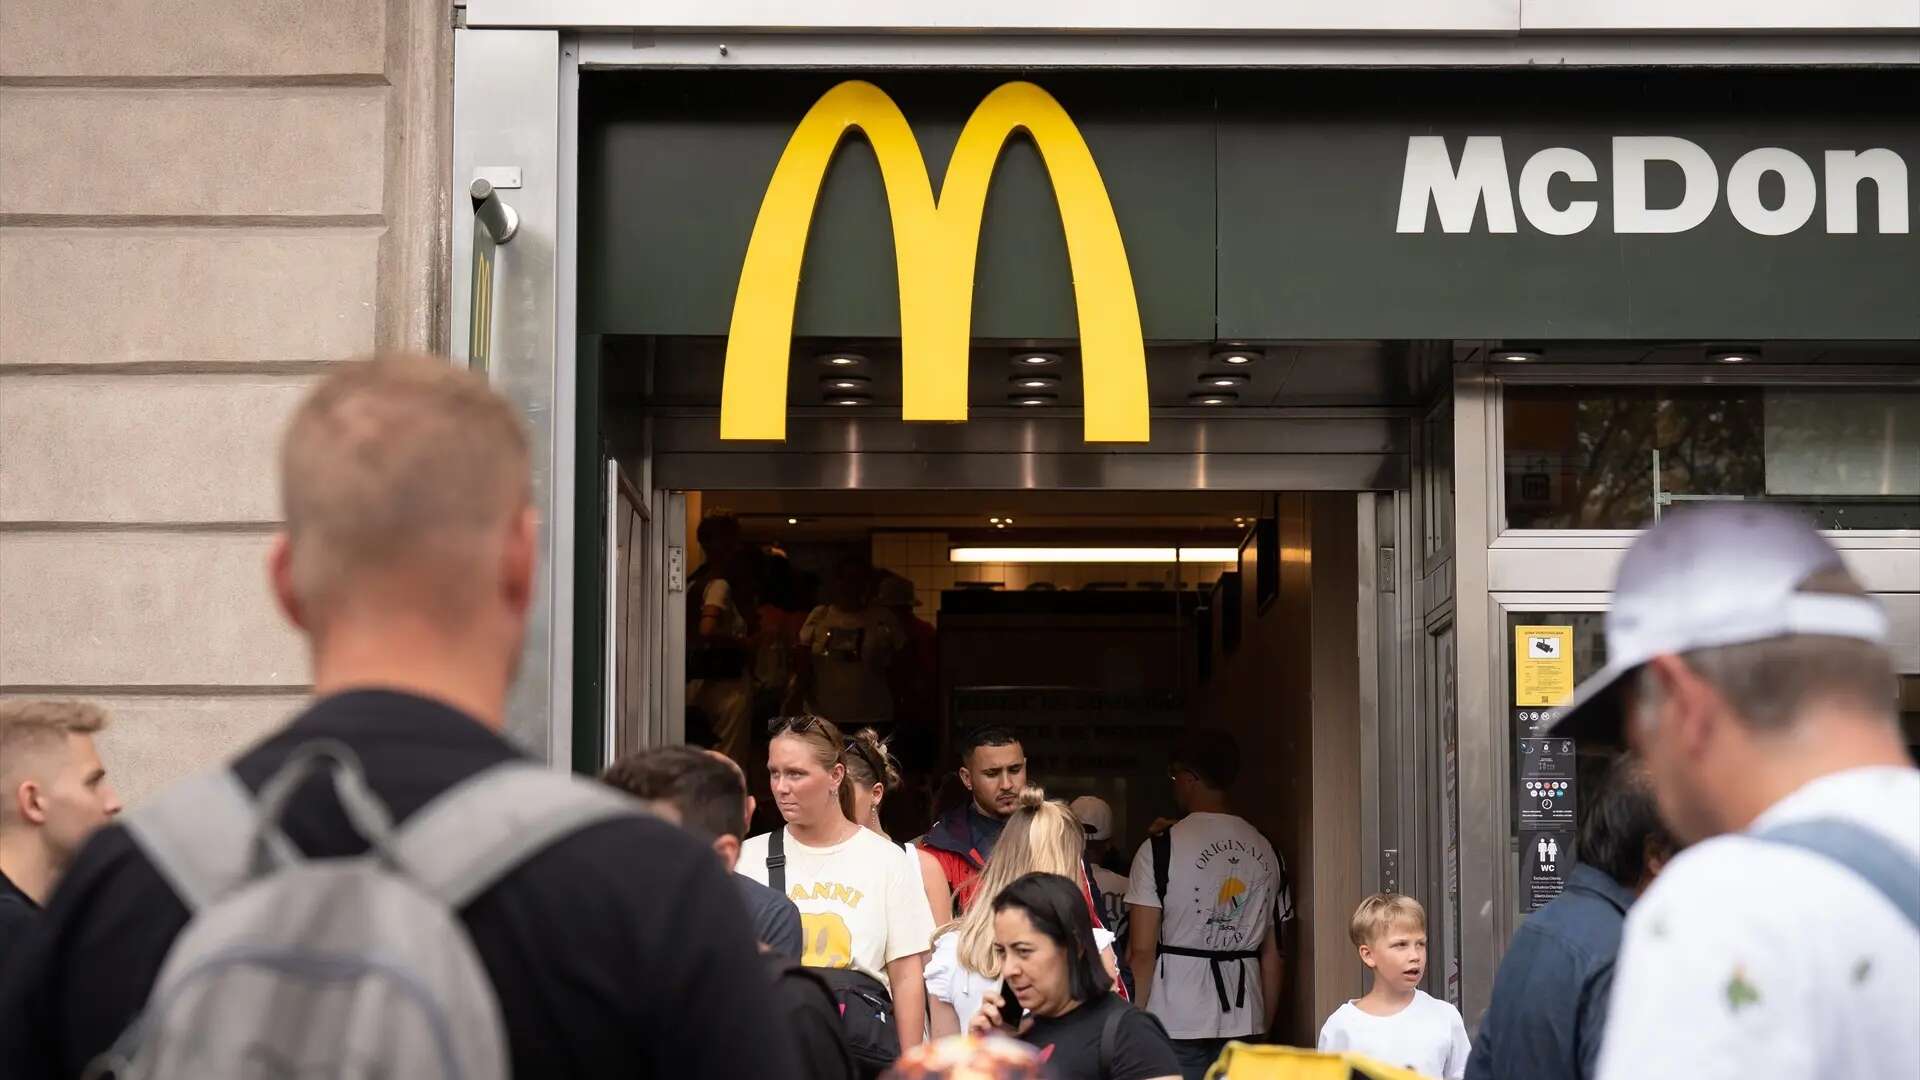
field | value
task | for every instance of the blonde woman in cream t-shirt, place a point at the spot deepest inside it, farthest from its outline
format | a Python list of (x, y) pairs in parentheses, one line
[(861, 905)]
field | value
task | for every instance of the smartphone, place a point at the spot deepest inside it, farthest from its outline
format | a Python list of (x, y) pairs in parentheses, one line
[(1010, 1010)]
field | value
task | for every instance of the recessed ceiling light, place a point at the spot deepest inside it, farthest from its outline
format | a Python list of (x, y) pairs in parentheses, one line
[(1035, 359), (1220, 397), (1518, 356), (1033, 400), (844, 382), (793, 521), (1224, 382), (993, 521), (850, 400), (1237, 357), (1035, 382), (843, 361), (1734, 356)]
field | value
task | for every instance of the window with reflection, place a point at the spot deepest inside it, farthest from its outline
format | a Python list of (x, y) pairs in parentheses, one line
[(1592, 457)]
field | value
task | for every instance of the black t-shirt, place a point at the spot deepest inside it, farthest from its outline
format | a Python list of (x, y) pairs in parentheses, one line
[(623, 950), (1070, 1044), (18, 913)]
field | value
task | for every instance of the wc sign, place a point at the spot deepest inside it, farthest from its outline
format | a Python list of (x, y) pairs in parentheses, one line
[(1769, 190)]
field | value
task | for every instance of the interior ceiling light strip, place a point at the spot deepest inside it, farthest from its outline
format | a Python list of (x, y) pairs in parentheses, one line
[(1092, 555)]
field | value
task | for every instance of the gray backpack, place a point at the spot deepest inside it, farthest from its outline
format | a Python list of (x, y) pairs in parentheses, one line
[(344, 967)]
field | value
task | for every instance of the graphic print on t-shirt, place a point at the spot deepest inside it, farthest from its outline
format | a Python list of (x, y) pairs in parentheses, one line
[(1225, 871), (828, 942)]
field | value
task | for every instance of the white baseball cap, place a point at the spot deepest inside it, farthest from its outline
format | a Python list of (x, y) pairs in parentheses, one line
[(1095, 816), (1707, 577)]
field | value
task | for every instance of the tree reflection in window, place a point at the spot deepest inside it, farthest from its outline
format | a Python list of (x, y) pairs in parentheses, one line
[(1582, 457)]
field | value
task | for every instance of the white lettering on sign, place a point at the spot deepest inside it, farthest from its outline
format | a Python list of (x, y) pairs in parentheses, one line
[(1481, 179)]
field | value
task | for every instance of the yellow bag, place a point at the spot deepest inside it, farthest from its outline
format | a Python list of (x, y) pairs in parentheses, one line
[(1245, 1061)]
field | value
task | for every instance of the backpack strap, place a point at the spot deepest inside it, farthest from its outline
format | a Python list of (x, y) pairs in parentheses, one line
[(481, 829), (1892, 872), (777, 860), (1162, 845), (1110, 1039), (199, 834)]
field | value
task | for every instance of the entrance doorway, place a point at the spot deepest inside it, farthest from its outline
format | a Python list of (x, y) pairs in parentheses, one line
[(1272, 590)]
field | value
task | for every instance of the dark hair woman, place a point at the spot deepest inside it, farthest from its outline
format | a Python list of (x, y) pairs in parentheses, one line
[(1043, 937)]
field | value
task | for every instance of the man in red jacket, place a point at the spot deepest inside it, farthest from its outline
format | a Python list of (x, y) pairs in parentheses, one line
[(993, 768)]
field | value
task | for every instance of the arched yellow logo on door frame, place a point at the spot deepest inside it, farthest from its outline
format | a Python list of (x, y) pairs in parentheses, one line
[(935, 246)]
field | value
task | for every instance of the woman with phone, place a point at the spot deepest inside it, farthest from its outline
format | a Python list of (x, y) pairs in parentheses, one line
[(863, 913), (1056, 995), (1040, 836)]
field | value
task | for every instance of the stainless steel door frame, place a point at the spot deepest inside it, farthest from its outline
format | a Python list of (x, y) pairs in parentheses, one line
[(515, 98)]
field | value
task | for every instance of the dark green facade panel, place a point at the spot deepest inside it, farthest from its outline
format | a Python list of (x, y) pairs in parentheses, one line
[(1266, 206), (673, 168)]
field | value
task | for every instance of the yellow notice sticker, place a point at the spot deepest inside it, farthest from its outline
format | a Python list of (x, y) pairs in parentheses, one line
[(1542, 665)]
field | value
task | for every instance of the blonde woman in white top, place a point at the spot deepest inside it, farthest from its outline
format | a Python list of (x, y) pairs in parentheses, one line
[(1042, 837)]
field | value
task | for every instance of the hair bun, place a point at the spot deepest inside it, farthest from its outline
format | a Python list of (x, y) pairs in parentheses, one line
[(1033, 798), (875, 750)]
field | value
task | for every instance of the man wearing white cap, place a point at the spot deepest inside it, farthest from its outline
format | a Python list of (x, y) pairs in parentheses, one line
[(1752, 675), (1096, 817)]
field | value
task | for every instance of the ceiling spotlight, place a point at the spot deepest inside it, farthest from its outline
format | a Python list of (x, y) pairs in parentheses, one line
[(1035, 382), (1224, 382), (1035, 359), (844, 383), (1216, 398), (793, 521), (1518, 356), (1033, 400), (993, 521), (1237, 357), (843, 361), (1734, 356), (1002, 525), (850, 400)]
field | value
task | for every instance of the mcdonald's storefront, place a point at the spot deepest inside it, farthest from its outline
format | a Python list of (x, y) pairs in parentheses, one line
[(1442, 340)]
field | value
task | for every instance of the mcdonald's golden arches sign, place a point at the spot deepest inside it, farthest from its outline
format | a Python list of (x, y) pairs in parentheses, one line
[(935, 244)]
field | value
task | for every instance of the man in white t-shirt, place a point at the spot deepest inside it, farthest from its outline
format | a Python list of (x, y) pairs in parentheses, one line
[(1204, 903), (1751, 673)]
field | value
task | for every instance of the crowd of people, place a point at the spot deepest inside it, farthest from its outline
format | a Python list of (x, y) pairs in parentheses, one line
[(387, 886)]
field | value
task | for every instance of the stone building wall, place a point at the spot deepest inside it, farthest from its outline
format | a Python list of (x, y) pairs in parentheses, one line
[(203, 203)]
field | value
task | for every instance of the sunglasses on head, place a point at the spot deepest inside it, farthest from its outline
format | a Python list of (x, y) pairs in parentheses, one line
[(795, 725)]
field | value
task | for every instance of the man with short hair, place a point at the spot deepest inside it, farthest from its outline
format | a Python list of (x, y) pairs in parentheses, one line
[(53, 794), (1751, 673), (705, 792), (993, 769), (1549, 1007), (1206, 901), (407, 560)]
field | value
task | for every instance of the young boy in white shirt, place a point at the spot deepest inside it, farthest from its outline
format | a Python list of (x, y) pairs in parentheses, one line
[(1396, 1023)]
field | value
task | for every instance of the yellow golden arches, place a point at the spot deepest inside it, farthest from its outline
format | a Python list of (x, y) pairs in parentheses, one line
[(935, 246)]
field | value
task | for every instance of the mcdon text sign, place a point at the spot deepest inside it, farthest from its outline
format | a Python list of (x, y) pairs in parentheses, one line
[(936, 244), (1481, 177)]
